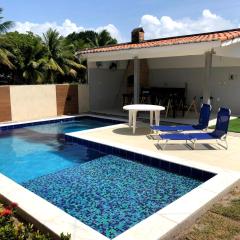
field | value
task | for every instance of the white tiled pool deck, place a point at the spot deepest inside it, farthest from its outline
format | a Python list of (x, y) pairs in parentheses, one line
[(210, 155), (165, 223)]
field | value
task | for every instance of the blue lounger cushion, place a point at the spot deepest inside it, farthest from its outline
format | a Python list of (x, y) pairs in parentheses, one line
[(189, 136), (163, 128), (202, 122)]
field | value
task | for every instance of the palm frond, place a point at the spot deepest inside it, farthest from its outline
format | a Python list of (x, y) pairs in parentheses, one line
[(5, 60), (74, 64), (53, 65), (5, 26), (72, 73)]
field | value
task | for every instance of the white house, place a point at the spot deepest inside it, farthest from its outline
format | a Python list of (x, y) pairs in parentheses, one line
[(206, 65)]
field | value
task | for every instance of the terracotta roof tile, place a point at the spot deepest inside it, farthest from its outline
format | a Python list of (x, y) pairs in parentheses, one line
[(196, 38)]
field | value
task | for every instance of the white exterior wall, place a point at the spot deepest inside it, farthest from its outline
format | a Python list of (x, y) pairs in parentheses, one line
[(106, 86), (173, 77), (226, 91), (175, 72), (83, 98)]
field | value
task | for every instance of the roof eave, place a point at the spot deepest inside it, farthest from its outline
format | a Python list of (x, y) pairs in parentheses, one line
[(182, 49)]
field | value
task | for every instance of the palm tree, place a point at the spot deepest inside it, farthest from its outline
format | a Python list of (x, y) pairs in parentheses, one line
[(102, 39), (61, 59), (4, 26), (78, 40), (5, 55), (34, 63)]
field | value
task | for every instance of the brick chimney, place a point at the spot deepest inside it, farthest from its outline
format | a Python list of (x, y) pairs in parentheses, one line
[(137, 35)]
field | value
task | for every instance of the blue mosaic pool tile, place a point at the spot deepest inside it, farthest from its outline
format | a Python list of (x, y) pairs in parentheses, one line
[(138, 157), (130, 155), (207, 175), (111, 194), (155, 162), (165, 165), (162, 164), (175, 168), (115, 151), (185, 171)]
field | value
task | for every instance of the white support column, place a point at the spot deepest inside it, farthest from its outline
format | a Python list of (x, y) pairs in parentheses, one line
[(89, 82), (136, 80), (207, 77), (88, 72)]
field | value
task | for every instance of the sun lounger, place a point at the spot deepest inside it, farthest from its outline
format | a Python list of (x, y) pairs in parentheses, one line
[(220, 132)]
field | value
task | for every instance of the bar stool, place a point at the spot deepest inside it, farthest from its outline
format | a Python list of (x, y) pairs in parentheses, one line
[(193, 106), (169, 105)]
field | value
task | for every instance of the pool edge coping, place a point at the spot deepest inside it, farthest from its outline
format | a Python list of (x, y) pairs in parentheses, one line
[(7, 124), (77, 228), (181, 213), (45, 213)]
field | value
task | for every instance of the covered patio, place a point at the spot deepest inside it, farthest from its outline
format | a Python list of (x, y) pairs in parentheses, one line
[(201, 68)]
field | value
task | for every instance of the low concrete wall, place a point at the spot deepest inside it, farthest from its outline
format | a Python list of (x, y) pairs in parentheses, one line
[(33, 102), (67, 99), (5, 104), (29, 102)]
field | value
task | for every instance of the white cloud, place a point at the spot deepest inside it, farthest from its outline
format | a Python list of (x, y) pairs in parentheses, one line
[(64, 29), (154, 27), (165, 26)]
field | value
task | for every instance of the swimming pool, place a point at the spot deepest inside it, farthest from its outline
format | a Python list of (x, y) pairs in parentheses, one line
[(33, 151), (108, 189)]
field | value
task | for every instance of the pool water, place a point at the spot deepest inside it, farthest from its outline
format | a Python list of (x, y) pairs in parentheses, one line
[(30, 152), (106, 192)]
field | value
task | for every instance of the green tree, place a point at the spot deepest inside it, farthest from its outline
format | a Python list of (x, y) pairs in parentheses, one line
[(84, 36), (102, 39), (77, 42), (61, 58), (35, 61), (89, 38), (30, 57)]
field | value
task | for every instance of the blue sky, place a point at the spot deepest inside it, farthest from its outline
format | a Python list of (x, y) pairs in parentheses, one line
[(158, 17)]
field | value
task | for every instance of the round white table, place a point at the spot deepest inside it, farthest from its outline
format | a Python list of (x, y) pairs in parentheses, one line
[(134, 108)]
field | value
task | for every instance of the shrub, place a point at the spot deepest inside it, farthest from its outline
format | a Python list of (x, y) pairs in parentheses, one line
[(11, 228)]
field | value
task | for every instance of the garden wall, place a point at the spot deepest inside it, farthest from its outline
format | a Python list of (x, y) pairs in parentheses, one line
[(33, 102), (5, 104), (29, 102)]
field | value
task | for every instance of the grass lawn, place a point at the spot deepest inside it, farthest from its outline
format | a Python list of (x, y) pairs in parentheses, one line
[(221, 222), (234, 125)]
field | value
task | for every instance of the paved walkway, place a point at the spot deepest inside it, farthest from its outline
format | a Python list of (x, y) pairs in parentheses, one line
[(213, 155)]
